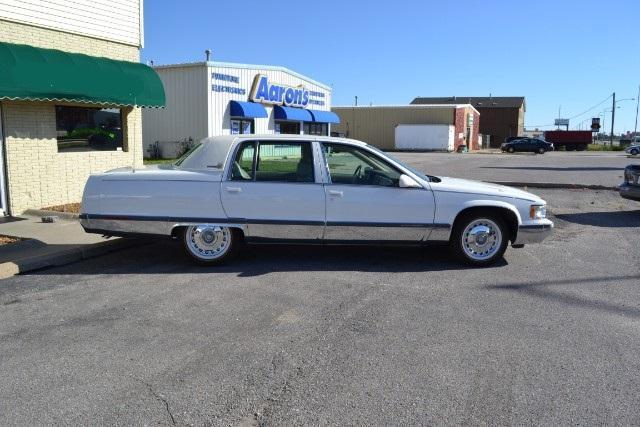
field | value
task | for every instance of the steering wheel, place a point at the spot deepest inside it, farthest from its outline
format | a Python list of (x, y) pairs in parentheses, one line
[(356, 174)]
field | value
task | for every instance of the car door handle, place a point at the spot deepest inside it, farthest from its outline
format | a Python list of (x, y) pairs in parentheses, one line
[(336, 193), (234, 189)]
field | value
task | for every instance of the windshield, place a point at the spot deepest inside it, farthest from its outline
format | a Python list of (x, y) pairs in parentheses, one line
[(412, 169)]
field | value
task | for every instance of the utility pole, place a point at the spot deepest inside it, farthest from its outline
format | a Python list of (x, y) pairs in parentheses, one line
[(613, 117), (635, 128)]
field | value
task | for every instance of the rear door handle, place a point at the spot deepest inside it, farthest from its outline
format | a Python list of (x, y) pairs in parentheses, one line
[(336, 193), (234, 189)]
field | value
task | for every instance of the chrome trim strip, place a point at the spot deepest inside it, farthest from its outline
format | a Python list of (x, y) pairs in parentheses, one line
[(440, 233), (375, 232), (533, 233)]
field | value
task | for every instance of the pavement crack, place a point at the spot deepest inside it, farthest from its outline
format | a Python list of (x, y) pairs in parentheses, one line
[(158, 397)]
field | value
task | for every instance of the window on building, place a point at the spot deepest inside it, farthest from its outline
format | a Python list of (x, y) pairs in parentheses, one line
[(316, 129), (241, 126), (84, 128), (351, 165), (292, 128)]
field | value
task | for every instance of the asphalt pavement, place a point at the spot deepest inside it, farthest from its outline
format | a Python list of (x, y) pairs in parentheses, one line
[(584, 168), (340, 335)]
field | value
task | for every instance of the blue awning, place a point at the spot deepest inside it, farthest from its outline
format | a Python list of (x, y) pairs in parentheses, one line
[(291, 113), (247, 109), (324, 116)]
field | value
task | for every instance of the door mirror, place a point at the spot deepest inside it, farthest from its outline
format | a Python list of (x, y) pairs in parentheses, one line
[(406, 181)]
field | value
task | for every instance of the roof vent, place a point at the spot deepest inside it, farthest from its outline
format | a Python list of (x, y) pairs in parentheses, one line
[(207, 54)]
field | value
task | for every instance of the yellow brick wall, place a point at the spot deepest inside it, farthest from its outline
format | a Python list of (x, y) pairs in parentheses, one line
[(39, 176), (12, 32)]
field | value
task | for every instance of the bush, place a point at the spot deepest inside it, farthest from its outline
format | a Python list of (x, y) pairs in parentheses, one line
[(603, 147)]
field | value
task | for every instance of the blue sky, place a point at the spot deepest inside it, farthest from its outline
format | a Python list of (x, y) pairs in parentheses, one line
[(568, 53)]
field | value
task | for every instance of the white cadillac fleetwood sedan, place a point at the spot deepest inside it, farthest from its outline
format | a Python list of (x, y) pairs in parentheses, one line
[(307, 189)]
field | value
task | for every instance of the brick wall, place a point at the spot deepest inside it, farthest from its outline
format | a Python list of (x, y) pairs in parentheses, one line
[(38, 175), (460, 127), (12, 32)]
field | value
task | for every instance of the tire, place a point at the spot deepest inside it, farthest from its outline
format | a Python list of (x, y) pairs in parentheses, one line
[(634, 152), (511, 150), (541, 150), (211, 245), (581, 147), (570, 147), (469, 249)]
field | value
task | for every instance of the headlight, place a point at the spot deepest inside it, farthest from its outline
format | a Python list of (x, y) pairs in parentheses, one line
[(538, 211)]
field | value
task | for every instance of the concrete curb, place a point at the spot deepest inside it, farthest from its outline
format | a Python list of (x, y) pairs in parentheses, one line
[(556, 185), (11, 268), (68, 216)]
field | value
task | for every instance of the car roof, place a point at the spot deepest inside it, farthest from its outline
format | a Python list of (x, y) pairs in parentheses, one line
[(230, 139)]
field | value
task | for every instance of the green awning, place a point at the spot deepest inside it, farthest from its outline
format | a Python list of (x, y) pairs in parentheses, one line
[(35, 74)]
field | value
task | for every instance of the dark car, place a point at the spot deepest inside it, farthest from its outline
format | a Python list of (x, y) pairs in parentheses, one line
[(630, 187), (531, 145)]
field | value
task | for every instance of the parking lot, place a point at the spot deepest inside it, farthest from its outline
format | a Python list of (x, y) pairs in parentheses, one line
[(343, 335)]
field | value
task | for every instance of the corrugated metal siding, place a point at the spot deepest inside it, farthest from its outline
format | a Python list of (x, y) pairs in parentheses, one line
[(185, 115), (115, 20), (220, 119), (376, 125)]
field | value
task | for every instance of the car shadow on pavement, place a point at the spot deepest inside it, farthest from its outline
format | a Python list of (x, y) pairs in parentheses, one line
[(613, 219), (542, 290), (558, 169), (168, 257)]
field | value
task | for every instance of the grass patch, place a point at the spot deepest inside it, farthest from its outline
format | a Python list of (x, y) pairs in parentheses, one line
[(67, 207), (158, 161)]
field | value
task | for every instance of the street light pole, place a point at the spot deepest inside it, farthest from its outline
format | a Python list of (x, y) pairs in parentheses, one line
[(635, 128), (613, 117)]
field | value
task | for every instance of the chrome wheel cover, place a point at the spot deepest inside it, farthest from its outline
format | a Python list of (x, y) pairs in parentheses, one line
[(208, 242), (481, 239)]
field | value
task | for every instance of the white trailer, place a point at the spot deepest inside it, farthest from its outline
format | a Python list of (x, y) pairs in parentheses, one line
[(425, 137)]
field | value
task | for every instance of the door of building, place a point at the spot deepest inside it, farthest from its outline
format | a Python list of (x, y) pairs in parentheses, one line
[(3, 193)]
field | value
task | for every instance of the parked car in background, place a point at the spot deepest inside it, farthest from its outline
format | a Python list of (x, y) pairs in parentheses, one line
[(630, 187), (634, 149), (306, 189), (531, 145)]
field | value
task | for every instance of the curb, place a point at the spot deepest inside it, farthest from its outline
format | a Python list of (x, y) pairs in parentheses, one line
[(556, 185), (24, 265), (68, 216)]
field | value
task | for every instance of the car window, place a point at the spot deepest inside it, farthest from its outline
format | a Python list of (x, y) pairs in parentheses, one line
[(284, 161), (352, 165), (242, 168)]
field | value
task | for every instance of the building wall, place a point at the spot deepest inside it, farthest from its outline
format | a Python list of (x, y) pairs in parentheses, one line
[(501, 123), (114, 20), (39, 176), (376, 125), (194, 110)]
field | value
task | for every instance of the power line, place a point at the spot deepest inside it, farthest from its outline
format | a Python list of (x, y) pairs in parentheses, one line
[(577, 115)]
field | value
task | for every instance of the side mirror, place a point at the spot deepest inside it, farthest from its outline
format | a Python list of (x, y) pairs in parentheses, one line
[(407, 182)]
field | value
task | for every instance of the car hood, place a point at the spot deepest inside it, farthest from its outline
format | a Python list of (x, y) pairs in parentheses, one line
[(478, 187)]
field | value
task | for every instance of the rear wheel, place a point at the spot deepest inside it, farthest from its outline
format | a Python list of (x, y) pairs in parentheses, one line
[(541, 150), (479, 239), (211, 244), (570, 147)]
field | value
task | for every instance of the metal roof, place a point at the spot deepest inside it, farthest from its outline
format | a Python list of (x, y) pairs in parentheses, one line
[(476, 101)]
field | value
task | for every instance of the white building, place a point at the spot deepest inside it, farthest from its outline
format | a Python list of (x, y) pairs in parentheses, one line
[(209, 98)]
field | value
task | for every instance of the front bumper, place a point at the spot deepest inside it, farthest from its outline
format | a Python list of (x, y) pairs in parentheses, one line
[(628, 191), (533, 233)]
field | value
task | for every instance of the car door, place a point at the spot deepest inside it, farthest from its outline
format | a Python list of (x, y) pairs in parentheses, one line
[(364, 200), (271, 185)]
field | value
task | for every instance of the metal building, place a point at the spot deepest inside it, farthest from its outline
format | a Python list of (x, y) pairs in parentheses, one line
[(378, 125), (210, 98)]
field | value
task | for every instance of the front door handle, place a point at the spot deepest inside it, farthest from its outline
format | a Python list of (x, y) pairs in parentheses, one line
[(336, 193), (234, 189)]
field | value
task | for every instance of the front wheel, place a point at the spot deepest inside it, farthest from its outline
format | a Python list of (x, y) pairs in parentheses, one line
[(634, 152), (479, 239), (211, 244), (511, 150)]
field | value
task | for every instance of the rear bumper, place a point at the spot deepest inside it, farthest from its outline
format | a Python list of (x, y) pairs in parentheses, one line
[(533, 233), (631, 192)]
